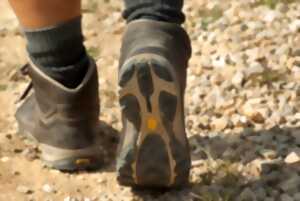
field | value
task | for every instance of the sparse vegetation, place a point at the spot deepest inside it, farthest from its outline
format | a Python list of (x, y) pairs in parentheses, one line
[(93, 52), (273, 3), (210, 15)]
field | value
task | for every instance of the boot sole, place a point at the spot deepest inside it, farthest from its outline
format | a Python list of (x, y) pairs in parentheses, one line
[(152, 110), (68, 160)]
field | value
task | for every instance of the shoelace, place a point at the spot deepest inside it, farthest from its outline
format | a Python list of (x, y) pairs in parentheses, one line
[(25, 71)]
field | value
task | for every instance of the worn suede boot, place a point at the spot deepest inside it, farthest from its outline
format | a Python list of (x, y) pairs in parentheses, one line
[(62, 120), (154, 151)]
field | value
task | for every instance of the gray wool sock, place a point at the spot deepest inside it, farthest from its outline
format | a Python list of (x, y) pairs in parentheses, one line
[(59, 51)]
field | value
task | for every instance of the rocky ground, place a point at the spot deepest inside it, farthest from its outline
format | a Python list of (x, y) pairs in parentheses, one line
[(242, 106)]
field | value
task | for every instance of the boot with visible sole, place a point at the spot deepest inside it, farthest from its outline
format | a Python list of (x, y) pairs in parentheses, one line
[(154, 151), (63, 121)]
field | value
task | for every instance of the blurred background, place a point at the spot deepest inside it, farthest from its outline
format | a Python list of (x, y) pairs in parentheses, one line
[(242, 106)]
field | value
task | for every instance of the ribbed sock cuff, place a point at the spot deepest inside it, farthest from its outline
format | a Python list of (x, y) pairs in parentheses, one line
[(59, 51), (55, 46)]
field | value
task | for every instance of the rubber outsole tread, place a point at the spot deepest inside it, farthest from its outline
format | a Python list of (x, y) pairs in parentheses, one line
[(152, 152)]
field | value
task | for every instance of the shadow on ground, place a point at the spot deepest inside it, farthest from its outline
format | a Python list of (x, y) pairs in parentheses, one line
[(238, 167), (108, 142), (246, 166)]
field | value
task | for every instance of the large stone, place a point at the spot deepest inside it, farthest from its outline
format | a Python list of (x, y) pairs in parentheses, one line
[(252, 113), (48, 188), (268, 153), (291, 185), (286, 197), (292, 158), (237, 79), (24, 189), (296, 134), (295, 25), (219, 124), (247, 195)]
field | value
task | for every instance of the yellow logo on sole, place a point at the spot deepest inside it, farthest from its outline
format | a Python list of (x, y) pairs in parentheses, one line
[(152, 123), (83, 161)]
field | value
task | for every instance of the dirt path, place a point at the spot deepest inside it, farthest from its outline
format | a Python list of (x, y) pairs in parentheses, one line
[(243, 107)]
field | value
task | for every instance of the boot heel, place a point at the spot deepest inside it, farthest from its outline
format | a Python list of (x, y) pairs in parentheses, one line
[(70, 160), (151, 106)]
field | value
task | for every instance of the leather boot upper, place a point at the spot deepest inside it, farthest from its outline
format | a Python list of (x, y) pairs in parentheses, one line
[(59, 116), (168, 40)]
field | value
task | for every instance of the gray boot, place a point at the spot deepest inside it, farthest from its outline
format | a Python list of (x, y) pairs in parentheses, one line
[(63, 121), (154, 151)]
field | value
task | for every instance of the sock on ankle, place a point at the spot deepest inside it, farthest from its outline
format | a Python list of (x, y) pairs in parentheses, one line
[(164, 10), (59, 51)]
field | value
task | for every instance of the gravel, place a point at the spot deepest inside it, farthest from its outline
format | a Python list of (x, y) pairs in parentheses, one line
[(242, 107)]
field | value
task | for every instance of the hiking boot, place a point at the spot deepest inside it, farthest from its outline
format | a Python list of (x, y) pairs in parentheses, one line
[(154, 150), (62, 120)]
